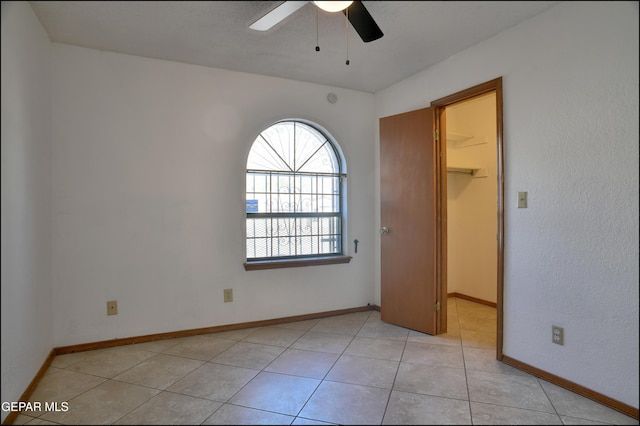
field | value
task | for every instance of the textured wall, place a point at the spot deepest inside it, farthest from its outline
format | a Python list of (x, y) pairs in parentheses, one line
[(570, 80), (149, 196), (26, 198)]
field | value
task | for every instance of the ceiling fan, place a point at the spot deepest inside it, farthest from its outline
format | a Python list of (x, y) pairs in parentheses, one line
[(358, 16)]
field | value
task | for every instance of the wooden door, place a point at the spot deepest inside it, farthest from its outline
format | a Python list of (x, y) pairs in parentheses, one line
[(408, 220)]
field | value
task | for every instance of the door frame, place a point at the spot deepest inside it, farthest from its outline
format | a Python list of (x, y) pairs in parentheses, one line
[(439, 107)]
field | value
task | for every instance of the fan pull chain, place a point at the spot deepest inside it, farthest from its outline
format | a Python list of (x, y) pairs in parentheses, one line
[(346, 33), (317, 44)]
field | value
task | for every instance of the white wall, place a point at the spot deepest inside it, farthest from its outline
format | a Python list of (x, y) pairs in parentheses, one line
[(570, 80), (149, 176), (26, 198), (472, 218)]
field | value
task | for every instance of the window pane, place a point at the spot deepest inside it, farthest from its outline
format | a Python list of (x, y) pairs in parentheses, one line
[(293, 169), (330, 232), (258, 227), (305, 246), (323, 161), (304, 183), (293, 236), (258, 247), (257, 182), (263, 156)]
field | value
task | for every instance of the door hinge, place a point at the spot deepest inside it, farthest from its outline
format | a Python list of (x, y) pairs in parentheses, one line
[(436, 134), (436, 307)]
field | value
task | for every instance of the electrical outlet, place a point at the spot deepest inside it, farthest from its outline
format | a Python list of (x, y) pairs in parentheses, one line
[(228, 295), (112, 307), (557, 335)]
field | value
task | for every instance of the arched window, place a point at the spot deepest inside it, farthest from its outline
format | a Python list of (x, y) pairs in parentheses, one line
[(294, 201)]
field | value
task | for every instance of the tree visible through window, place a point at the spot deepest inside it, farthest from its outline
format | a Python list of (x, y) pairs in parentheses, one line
[(294, 194)]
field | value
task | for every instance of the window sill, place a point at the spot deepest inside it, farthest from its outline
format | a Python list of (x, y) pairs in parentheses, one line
[(294, 263)]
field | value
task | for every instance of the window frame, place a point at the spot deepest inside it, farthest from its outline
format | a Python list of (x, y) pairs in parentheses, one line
[(296, 260)]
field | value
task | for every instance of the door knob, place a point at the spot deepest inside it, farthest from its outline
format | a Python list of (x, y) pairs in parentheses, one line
[(384, 230)]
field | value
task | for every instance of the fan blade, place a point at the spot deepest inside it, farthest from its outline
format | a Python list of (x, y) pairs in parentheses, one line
[(277, 15), (363, 22)]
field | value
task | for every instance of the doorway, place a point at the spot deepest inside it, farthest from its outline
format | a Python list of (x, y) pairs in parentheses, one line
[(471, 199), (467, 169), (413, 213)]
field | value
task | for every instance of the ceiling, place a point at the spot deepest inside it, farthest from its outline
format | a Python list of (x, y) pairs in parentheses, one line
[(417, 34)]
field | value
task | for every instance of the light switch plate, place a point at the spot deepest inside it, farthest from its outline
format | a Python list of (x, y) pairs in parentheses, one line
[(522, 200)]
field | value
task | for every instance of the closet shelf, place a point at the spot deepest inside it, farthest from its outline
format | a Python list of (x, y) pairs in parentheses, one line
[(464, 170), (471, 171), (457, 137), (459, 140)]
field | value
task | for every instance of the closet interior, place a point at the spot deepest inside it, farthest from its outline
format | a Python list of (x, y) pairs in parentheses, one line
[(472, 186)]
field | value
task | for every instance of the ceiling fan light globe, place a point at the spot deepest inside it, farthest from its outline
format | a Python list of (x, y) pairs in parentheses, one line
[(333, 6)]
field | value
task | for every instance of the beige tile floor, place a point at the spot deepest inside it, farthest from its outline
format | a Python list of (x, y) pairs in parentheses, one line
[(347, 369)]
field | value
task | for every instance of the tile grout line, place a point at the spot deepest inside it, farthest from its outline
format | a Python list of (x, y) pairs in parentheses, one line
[(464, 364), (395, 377), (332, 365)]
